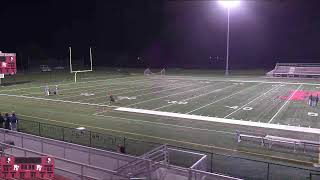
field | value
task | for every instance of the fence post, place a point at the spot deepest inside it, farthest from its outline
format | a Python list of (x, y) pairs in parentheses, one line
[(39, 130), (211, 162), (90, 141), (63, 134), (268, 171)]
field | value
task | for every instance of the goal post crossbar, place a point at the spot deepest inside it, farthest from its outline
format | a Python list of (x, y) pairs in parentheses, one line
[(79, 71)]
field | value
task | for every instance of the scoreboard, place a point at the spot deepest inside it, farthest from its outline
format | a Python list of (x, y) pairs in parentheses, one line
[(26, 167), (8, 63)]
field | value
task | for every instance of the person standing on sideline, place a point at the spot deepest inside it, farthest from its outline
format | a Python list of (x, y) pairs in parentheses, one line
[(7, 121), (317, 99), (14, 122), (310, 100), (1, 121)]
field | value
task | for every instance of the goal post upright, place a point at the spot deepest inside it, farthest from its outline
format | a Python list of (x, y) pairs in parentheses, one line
[(79, 71)]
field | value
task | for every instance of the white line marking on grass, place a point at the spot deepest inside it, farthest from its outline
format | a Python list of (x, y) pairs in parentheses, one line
[(62, 90), (285, 104), (106, 87), (252, 100), (57, 100), (66, 84), (165, 124), (238, 80), (196, 96), (221, 120), (222, 98), (149, 88), (167, 95)]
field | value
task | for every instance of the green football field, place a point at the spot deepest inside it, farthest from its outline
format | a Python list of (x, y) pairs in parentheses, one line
[(184, 108)]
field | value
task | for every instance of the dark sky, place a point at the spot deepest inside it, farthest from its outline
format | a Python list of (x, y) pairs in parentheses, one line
[(163, 33)]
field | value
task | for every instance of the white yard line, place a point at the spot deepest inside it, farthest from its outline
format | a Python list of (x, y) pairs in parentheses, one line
[(85, 87), (165, 124), (166, 96), (196, 96), (105, 89), (240, 108), (57, 100), (237, 80), (222, 98), (65, 84), (284, 104), (149, 88), (221, 120)]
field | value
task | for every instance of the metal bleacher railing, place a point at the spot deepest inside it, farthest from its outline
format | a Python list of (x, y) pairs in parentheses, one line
[(81, 162), (232, 165)]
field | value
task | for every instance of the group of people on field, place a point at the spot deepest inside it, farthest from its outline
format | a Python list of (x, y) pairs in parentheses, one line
[(313, 100), (48, 91), (8, 121)]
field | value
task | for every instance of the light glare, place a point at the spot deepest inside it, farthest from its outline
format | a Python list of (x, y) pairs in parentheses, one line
[(229, 3)]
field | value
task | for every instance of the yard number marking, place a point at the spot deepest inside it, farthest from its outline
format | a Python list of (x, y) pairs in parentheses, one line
[(86, 94), (247, 108), (232, 107), (312, 114), (177, 102), (126, 97), (236, 107)]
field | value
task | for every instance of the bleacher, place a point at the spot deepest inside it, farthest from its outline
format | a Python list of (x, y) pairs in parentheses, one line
[(269, 140), (74, 161), (305, 70)]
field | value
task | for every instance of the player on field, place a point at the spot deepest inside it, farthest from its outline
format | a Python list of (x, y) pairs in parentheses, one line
[(56, 90), (46, 90), (111, 99), (317, 99)]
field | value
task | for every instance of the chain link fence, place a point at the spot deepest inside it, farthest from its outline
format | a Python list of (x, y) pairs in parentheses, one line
[(235, 166)]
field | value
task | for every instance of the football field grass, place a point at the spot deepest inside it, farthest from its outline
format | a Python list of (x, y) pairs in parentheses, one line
[(237, 99)]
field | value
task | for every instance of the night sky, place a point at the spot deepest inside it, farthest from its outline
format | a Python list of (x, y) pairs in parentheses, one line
[(163, 33)]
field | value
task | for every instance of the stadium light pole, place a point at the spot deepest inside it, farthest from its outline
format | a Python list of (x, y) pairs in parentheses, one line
[(228, 4)]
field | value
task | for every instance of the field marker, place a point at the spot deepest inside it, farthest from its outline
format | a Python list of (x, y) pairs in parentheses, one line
[(196, 96), (176, 141), (168, 95), (285, 103), (222, 98), (242, 107)]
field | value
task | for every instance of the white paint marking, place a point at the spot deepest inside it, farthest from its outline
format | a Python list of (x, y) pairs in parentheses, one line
[(247, 108), (285, 103), (232, 107), (222, 99), (197, 96), (242, 107), (312, 114), (57, 100), (64, 84), (168, 95), (165, 124), (222, 120), (131, 91)]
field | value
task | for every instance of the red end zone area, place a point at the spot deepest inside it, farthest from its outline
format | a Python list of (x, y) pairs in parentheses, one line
[(299, 95)]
